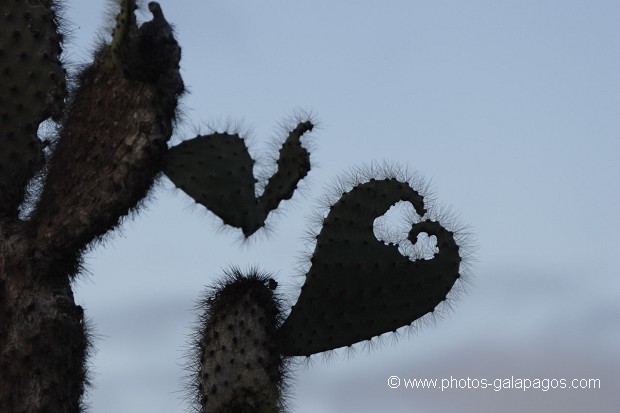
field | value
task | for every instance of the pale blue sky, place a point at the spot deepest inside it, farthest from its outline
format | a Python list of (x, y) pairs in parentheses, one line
[(511, 109)]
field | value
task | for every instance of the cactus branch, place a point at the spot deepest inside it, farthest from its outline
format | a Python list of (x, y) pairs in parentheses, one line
[(236, 365), (106, 159), (124, 38)]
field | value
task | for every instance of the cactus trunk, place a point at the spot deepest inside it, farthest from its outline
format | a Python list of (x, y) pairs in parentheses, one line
[(106, 159), (43, 341), (108, 151)]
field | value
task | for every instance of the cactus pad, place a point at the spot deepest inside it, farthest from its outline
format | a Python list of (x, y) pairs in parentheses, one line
[(236, 366), (216, 170), (32, 88), (358, 287)]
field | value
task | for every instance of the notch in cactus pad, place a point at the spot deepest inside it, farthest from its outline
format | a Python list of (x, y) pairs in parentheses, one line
[(216, 170), (359, 287)]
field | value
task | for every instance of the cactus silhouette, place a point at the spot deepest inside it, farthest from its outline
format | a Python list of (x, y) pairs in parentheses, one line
[(216, 170), (60, 194), (356, 289)]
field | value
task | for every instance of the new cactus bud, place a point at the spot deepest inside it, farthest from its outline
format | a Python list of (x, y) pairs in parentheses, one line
[(124, 44)]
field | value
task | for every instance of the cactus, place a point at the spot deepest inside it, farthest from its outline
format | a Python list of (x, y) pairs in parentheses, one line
[(216, 170), (124, 39), (32, 88), (145, 52), (60, 196), (357, 288)]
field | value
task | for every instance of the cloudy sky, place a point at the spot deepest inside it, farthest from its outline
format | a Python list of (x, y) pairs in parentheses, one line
[(510, 110)]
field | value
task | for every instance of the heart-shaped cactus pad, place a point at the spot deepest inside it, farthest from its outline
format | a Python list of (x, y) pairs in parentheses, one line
[(217, 171), (359, 287)]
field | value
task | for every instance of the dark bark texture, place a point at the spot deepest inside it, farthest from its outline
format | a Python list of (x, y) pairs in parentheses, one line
[(43, 340)]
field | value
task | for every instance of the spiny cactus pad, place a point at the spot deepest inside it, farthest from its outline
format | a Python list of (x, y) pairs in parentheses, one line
[(32, 88), (216, 170), (237, 366), (358, 287)]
